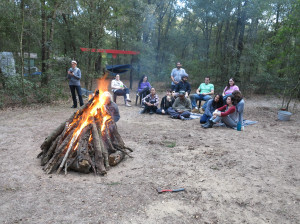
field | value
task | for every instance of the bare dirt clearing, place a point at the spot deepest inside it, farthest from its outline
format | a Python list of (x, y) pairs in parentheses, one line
[(251, 176)]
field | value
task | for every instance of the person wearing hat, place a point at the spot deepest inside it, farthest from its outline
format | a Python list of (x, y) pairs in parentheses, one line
[(176, 75), (181, 108), (74, 76), (204, 92), (183, 85)]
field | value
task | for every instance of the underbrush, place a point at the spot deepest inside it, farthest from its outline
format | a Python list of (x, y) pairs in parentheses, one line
[(14, 93)]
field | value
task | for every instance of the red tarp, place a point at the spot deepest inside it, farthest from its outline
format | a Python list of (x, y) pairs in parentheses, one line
[(109, 51)]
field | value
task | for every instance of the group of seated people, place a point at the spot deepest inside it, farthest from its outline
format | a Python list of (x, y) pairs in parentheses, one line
[(179, 103)]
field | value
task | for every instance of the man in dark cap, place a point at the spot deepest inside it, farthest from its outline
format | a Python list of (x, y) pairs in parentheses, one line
[(183, 85), (181, 107)]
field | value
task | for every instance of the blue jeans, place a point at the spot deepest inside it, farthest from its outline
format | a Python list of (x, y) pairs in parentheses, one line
[(195, 97), (204, 119), (78, 89), (144, 92), (150, 108), (240, 109), (175, 114), (226, 120), (159, 111), (122, 92), (225, 97), (173, 87)]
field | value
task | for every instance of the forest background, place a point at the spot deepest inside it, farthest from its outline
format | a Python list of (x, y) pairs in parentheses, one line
[(256, 42)]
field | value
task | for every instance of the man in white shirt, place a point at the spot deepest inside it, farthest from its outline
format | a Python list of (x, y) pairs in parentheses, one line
[(120, 89)]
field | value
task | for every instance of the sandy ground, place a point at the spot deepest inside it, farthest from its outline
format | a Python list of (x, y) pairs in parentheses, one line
[(251, 176)]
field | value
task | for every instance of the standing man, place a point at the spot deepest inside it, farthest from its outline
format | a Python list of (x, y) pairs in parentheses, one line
[(120, 89), (74, 76), (176, 75), (204, 92)]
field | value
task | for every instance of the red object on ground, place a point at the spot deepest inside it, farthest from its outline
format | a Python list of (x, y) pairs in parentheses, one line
[(109, 51)]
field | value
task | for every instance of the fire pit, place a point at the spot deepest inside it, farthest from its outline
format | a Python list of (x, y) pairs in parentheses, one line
[(88, 141)]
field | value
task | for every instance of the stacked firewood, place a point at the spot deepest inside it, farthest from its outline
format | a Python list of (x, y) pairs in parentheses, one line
[(88, 141)]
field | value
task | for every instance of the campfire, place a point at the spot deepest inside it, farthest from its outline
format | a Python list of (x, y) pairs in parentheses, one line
[(88, 141)]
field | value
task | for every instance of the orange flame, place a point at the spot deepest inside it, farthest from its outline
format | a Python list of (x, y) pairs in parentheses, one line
[(88, 114)]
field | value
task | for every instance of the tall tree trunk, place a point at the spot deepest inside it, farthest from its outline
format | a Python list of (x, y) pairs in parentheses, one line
[(131, 72), (224, 53), (218, 37), (89, 64), (28, 50), (98, 63), (218, 51), (51, 35), (252, 63), (21, 45), (72, 42), (240, 46), (162, 13), (44, 80), (278, 8), (238, 21)]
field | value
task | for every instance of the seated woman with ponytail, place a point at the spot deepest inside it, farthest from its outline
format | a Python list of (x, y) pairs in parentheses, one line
[(229, 117), (240, 104), (212, 105)]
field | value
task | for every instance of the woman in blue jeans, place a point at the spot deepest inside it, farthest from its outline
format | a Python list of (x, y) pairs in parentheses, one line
[(227, 114), (212, 105), (74, 76), (240, 104)]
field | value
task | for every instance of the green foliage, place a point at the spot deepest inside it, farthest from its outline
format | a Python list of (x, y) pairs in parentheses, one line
[(13, 89), (12, 94), (169, 144), (286, 63), (205, 36)]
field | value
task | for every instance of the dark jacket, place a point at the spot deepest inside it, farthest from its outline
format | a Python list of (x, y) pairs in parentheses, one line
[(165, 104), (185, 86)]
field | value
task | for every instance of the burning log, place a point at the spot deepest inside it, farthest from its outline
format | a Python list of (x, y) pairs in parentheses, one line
[(88, 141)]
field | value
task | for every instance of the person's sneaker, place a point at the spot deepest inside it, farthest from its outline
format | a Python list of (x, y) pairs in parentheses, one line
[(182, 117), (73, 106), (209, 124), (128, 100), (127, 105), (142, 111), (195, 110), (201, 111), (151, 112), (205, 124)]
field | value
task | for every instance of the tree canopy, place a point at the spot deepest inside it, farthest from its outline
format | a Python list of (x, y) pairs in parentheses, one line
[(256, 42)]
